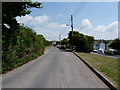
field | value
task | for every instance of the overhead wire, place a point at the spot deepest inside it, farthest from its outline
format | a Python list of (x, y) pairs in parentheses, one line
[(79, 8), (91, 11), (75, 13)]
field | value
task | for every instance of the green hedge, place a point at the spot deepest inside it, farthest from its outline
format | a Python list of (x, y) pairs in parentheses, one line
[(109, 52), (24, 46)]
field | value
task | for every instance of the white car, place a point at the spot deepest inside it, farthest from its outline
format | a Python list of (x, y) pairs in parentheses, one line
[(100, 51)]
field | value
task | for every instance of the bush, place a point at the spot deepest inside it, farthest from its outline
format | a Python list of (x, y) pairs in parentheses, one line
[(24, 47), (109, 52), (117, 53)]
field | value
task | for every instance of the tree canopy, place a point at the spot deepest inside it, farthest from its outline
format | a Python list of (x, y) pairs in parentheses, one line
[(20, 44), (115, 44), (11, 10), (64, 41), (10, 26), (81, 42)]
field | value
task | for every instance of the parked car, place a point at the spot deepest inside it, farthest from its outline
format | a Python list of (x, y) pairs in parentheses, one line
[(111, 52), (100, 51), (62, 47), (57, 46), (95, 51)]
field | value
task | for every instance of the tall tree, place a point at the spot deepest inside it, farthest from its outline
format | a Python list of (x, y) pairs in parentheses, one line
[(81, 42), (10, 10), (74, 39)]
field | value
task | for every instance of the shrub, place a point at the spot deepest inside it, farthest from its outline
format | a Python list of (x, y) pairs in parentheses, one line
[(109, 52), (24, 47)]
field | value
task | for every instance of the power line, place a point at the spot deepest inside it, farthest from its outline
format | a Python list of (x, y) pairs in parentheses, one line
[(77, 11), (91, 11), (79, 8)]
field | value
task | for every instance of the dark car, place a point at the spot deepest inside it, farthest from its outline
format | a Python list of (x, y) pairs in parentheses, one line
[(62, 47)]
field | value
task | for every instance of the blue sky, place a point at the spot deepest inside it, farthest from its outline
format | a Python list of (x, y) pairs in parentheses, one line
[(98, 19)]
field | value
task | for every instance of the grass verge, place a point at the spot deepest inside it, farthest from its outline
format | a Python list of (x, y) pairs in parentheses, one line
[(106, 65)]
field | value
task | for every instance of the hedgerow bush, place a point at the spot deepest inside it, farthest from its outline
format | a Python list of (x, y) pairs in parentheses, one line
[(24, 46)]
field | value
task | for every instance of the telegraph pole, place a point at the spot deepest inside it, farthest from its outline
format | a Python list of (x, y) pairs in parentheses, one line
[(72, 30)]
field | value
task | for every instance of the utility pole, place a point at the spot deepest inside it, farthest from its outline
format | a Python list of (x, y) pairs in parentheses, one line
[(72, 30)]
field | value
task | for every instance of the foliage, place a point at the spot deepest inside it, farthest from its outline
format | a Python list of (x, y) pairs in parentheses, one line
[(81, 42), (109, 52), (64, 41), (115, 44), (23, 48), (10, 10), (105, 41), (117, 52), (90, 43), (20, 44), (48, 43), (57, 43)]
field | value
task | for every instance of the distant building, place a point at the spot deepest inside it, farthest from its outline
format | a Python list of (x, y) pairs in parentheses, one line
[(99, 45), (102, 46), (96, 45), (53, 42)]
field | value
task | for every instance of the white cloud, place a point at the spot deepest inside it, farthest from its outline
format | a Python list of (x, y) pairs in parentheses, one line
[(43, 25), (51, 30), (55, 25), (24, 19), (100, 29), (100, 32), (119, 30), (40, 19), (113, 26), (86, 24)]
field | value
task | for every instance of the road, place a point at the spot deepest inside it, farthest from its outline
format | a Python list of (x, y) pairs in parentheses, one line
[(55, 69)]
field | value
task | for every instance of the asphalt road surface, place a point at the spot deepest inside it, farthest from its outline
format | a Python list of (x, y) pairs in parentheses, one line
[(55, 69)]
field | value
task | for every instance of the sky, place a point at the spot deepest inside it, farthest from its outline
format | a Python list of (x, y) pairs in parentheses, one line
[(97, 19)]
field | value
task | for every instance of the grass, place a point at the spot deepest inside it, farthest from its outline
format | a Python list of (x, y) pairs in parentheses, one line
[(106, 65)]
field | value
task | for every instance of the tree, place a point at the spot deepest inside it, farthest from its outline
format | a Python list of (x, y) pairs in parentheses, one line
[(105, 41), (64, 41), (115, 44), (10, 26), (57, 43), (19, 44), (81, 42), (74, 39), (90, 42)]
